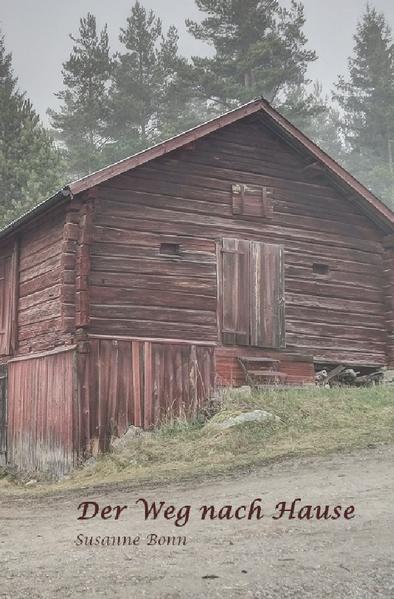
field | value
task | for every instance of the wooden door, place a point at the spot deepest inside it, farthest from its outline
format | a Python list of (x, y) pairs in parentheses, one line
[(235, 292), (267, 299), (3, 415), (252, 294)]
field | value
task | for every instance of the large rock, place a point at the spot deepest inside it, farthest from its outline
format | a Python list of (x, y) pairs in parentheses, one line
[(388, 376), (254, 416), (120, 443)]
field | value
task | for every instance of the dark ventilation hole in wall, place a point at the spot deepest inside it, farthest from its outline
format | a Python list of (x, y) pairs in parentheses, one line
[(320, 269), (170, 249)]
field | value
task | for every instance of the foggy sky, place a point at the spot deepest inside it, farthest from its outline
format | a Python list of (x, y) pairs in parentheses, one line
[(37, 35)]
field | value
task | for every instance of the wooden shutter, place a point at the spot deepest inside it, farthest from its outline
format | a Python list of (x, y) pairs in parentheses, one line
[(252, 200), (235, 292), (267, 303)]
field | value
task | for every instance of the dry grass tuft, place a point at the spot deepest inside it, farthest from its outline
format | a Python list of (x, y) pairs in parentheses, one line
[(313, 421)]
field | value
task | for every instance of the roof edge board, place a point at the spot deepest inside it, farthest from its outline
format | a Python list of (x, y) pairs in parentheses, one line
[(351, 195), (165, 146), (333, 168), (376, 210), (64, 194)]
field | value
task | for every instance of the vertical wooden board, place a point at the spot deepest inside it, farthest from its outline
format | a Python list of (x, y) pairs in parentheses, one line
[(243, 313), (165, 398), (257, 334), (83, 435), (169, 381), (10, 412), (104, 361), (267, 295), (148, 386), (114, 397), (200, 377), (93, 378), (178, 382), (3, 414), (206, 374), (237, 198), (186, 395), (124, 417), (137, 395), (235, 291), (228, 291), (193, 378), (158, 381), (280, 299), (267, 320)]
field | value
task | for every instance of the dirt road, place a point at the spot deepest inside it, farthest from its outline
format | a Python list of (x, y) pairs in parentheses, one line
[(267, 558)]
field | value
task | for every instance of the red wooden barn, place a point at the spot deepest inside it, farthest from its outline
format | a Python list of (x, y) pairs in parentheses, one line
[(235, 250)]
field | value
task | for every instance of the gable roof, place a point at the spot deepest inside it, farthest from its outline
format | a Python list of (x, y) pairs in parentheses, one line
[(375, 208)]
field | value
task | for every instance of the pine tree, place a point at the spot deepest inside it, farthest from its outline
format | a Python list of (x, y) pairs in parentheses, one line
[(149, 98), (366, 100), (260, 50), (324, 128), (81, 122), (179, 108), (137, 81), (30, 165)]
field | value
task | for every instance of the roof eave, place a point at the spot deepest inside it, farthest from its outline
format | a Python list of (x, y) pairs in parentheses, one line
[(62, 194), (378, 211), (166, 146)]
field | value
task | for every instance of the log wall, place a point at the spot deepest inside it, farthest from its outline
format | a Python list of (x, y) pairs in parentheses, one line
[(186, 198), (40, 284), (8, 297)]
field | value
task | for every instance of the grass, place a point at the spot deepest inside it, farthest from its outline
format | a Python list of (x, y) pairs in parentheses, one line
[(313, 421)]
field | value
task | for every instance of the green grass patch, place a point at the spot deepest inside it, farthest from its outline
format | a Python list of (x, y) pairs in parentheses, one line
[(312, 421)]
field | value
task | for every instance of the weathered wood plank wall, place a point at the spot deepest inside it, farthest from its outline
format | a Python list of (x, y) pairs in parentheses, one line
[(389, 296), (142, 383), (9, 259), (3, 415), (41, 392), (186, 197), (40, 272)]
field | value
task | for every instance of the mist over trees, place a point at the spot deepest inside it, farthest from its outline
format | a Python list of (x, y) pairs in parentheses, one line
[(260, 50), (81, 122), (113, 104), (366, 102), (30, 164)]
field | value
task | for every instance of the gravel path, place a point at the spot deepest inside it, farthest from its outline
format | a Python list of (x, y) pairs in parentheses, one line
[(267, 558)]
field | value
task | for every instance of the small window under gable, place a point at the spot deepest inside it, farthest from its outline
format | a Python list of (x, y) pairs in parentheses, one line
[(320, 269), (170, 249), (252, 200)]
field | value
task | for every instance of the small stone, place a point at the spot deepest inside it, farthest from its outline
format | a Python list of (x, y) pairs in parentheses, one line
[(244, 390), (254, 416), (31, 483), (119, 443)]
